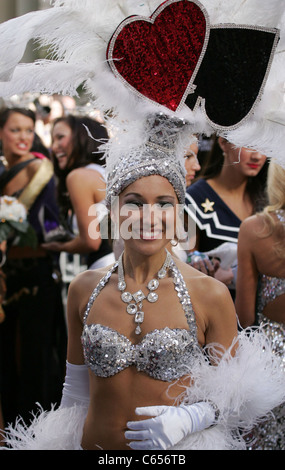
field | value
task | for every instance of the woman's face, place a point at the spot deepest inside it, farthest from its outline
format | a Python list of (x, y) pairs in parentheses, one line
[(62, 143), (248, 162), (191, 163), (147, 214), (17, 135)]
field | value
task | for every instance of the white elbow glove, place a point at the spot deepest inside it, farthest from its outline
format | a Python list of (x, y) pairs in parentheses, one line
[(76, 386), (170, 425)]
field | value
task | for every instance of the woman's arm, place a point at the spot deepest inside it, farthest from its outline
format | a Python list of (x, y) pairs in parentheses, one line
[(74, 320), (85, 188), (76, 384), (220, 324), (247, 274)]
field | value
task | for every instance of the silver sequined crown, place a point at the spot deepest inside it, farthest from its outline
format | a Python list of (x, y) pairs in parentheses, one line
[(157, 157)]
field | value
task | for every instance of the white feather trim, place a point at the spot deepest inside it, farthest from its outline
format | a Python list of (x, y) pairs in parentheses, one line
[(250, 12), (246, 388), (59, 429)]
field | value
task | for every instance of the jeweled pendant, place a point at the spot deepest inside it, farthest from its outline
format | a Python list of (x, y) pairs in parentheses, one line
[(139, 318), (138, 330), (153, 284), (152, 297), (135, 300), (126, 297), (161, 273), (122, 285), (138, 296), (132, 309)]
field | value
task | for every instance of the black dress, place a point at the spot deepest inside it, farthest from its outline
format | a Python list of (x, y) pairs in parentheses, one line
[(216, 221), (33, 336), (218, 225)]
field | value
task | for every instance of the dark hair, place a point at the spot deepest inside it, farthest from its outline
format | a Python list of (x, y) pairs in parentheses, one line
[(39, 146), (85, 150), (7, 112), (256, 186)]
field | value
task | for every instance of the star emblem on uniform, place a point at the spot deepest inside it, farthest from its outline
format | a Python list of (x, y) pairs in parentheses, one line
[(208, 206)]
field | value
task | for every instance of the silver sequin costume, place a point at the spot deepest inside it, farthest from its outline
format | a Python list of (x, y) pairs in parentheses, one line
[(250, 384), (165, 354), (270, 435), (269, 289)]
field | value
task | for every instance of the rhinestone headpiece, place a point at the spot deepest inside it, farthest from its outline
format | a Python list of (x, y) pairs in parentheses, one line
[(158, 156)]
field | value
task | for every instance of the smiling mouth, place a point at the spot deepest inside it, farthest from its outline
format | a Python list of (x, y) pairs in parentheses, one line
[(150, 235)]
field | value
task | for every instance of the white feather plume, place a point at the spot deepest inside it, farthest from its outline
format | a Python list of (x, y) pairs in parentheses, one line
[(76, 35), (56, 429), (246, 388)]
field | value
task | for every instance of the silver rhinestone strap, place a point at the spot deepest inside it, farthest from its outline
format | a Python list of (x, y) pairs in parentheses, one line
[(98, 289)]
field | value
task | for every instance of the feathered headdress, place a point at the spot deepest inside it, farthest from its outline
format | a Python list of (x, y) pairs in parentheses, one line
[(218, 65)]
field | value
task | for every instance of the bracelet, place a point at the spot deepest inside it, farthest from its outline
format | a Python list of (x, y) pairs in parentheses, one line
[(216, 410)]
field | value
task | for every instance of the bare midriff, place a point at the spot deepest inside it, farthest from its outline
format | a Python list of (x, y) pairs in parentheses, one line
[(113, 402)]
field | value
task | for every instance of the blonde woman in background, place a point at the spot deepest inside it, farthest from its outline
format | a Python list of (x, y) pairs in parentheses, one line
[(260, 294)]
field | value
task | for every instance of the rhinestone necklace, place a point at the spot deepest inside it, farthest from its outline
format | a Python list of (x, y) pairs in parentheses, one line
[(134, 301)]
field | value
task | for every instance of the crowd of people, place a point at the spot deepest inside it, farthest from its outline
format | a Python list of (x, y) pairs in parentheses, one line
[(236, 199), (48, 182)]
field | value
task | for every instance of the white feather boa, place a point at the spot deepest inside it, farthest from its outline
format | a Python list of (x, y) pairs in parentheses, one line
[(246, 388), (77, 34)]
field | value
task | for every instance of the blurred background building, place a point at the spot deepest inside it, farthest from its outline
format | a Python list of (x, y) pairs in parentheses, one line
[(70, 264), (13, 8)]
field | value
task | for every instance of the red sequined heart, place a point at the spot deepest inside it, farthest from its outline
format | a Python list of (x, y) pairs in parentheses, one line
[(159, 56)]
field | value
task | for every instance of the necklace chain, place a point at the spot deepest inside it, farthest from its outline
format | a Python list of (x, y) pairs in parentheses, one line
[(135, 300)]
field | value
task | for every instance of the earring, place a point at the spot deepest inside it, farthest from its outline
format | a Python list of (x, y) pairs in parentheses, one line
[(174, 242)]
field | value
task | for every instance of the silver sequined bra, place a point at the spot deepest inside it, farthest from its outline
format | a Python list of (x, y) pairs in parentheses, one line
[(269, 435), (165, 354), (269, 288)]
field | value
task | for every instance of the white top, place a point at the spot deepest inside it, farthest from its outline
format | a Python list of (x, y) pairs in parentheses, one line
[(96, 167)]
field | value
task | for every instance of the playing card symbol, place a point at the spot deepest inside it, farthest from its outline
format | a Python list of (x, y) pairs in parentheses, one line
[(159, 57), (233, 73), (175, 58)]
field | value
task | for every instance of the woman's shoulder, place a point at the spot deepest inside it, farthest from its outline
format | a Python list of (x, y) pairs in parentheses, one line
[(201, 285), (210, 298), (83, 284), (251, 226), (34, 165), (90, 277), (94, 171), (90, 177)]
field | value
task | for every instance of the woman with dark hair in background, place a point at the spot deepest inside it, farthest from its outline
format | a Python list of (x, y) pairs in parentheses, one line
[(79, 167), (33, 334), (230, 188)]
